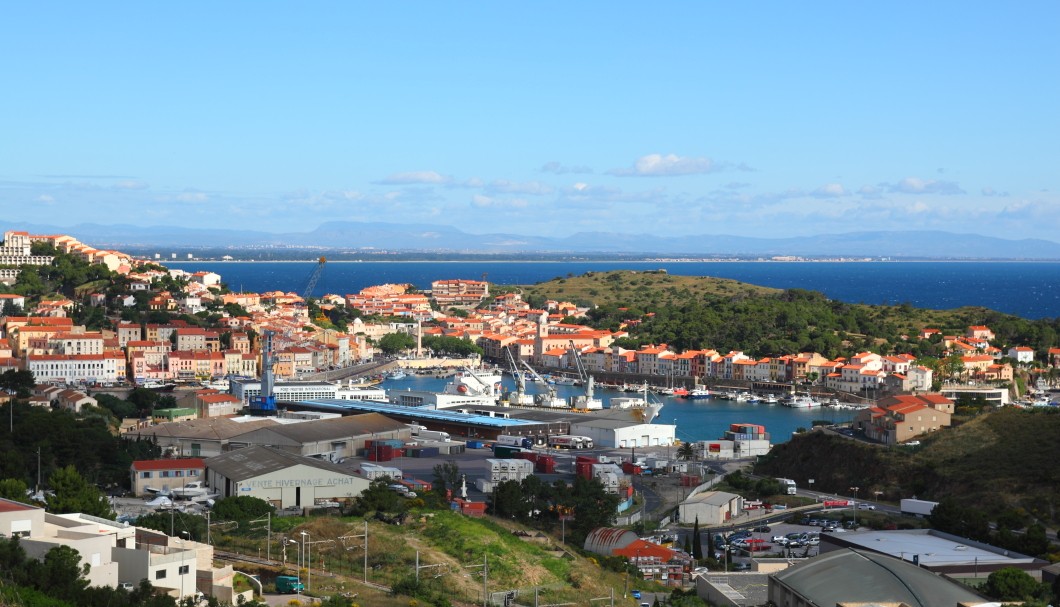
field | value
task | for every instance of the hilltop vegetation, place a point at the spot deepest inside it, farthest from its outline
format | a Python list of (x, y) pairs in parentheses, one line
[(690, 312), (996, 462)]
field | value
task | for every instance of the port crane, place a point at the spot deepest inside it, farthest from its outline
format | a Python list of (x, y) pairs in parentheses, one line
[(314, 277), (519, 397), (265, 403), (549, 398), (587, 401)]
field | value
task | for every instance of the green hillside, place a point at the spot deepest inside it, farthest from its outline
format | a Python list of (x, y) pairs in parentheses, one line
[(997, 461), (690, 312)]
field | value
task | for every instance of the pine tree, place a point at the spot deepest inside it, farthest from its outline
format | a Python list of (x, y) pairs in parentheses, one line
[(697, 542)]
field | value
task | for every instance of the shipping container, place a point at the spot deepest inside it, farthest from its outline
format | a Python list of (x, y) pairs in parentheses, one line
[(505, 451), (546, 464), (475, 444)]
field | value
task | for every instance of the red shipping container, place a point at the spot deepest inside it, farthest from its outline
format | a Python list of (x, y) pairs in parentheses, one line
[(586, 458), (527, 455), (546, 465), (584, 469)]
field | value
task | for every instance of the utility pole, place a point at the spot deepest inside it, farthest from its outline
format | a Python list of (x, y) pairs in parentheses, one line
[(485, 578), (365, 537), (268, 534)]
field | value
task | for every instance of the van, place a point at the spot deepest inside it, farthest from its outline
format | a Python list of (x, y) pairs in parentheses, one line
[(288, 584)]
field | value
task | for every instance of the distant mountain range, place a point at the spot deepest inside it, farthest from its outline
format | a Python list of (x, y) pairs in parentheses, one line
[(436, 239)]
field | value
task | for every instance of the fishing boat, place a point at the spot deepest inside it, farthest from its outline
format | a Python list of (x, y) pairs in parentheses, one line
[(699, 393), (397, 374), (679, 392), (801, 401)]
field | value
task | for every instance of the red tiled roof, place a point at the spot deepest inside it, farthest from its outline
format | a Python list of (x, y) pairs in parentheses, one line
[(169, 464)]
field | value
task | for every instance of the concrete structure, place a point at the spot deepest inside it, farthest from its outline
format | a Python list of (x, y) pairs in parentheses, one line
[(331, 439), (712, 508), (164, 474), (998, 397), (119, 553), (896, 419), (283, 479), (621, 433), (860, 577), (934, 551)]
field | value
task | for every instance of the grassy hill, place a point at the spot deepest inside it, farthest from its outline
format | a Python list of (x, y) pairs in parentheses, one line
[(996, 461), (641, 289), (454, 547), (692, 312)]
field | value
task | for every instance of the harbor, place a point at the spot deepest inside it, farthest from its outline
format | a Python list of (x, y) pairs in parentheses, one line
[(696, 419)]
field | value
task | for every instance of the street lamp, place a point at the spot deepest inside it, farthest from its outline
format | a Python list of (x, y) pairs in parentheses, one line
[(301, 554), (855, 490)]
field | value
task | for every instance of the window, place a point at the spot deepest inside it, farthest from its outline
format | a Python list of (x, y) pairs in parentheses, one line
[(160, 574), (145, 475), (183, 570)]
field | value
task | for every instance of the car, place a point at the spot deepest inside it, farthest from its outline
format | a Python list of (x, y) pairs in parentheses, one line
[(866, 507), (741, 566), (912, 443), (778, 539), (761, 529), (126, 586), (635, 594)]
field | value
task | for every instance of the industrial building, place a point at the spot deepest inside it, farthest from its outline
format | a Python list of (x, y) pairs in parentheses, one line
[(711, 508), (862, 577), (935, 551), (296, 391), (332, 438), (283, 479), (484, 423)]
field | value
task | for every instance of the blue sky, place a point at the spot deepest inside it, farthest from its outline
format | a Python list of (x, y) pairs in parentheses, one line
[(770, 119)]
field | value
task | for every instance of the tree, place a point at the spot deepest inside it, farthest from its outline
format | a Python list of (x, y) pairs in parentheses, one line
[(241, 508), (1011, 584), (73, 494), (377, 497), (686, 451), (446, 478), (697, 541), (19, 382), (392, 343), (14, 489), (61, 573)]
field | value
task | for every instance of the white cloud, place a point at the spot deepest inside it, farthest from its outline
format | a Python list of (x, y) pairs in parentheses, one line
[(657, 165), (130, 184), (830, 190), (191, 197), (580, 186), (558, 168), (916, 185), (45, 198), (533, 188), (416, 177), (488, 202)]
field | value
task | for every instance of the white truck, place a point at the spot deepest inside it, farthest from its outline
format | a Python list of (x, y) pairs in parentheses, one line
[(433, 435), (515, 441), (917, 507)]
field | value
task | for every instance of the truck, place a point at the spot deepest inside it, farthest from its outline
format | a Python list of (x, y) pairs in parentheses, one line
[(917, 507), (788, 485), (288, 584), (565, 441), (515, 441), (433, 435)]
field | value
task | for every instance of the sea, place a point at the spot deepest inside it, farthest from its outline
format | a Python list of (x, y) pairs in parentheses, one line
[(696, 419), (1025, 289)]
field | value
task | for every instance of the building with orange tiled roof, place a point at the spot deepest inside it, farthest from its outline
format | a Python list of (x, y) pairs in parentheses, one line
[(897, 419)]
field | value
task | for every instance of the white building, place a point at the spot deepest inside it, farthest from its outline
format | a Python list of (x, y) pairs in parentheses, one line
[(618, 433), (712, 508), (1021, 354), (119, 553), (282, 479), (78, 368)]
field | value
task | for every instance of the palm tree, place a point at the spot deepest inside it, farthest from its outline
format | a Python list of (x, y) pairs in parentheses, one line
[(686, 451)]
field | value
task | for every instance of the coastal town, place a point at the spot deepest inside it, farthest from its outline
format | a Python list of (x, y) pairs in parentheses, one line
[(274, 396)]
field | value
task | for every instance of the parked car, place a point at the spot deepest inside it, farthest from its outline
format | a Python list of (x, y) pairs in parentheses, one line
[(762, 529), (635, 594), (779, 539), (866, 507), (741, 566)]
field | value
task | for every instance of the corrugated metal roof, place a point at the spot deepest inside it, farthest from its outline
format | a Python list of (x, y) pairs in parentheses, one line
[(251, 462), (211, 428), (441, 415), (854, 576), (338, 427)]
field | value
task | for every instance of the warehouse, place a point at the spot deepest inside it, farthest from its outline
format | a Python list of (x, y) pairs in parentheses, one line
[(711, 508), (283, 479)]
